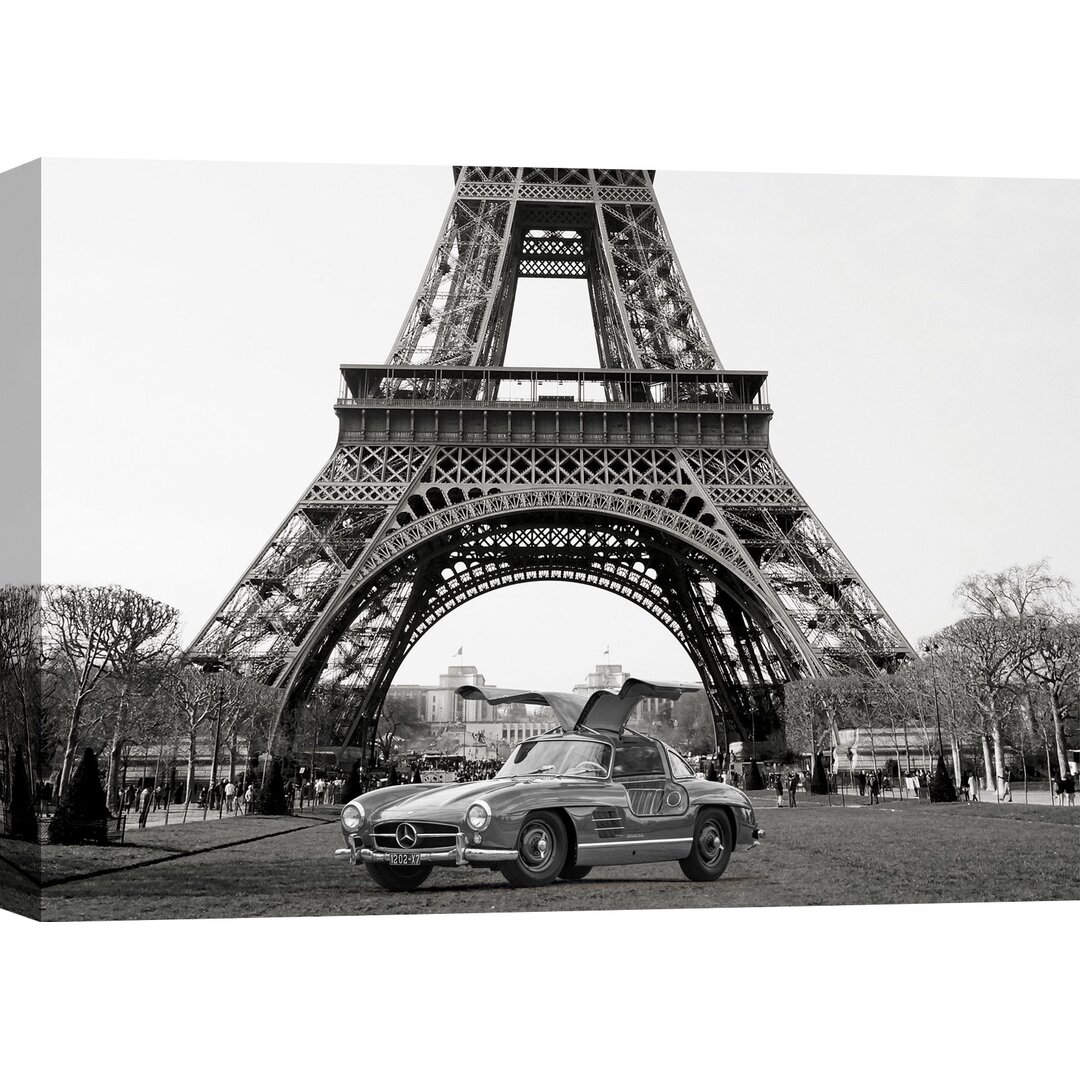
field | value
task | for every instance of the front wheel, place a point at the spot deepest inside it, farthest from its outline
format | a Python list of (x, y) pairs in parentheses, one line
[(398, 878), (713, 841), (542, 851)]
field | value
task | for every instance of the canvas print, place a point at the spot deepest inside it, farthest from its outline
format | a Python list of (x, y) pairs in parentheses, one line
[(668, 540)]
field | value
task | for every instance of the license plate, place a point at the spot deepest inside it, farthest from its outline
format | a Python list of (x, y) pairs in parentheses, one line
[(404, 858)]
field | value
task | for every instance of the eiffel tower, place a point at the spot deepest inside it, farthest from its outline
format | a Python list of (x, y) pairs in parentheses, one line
[(649, 475)]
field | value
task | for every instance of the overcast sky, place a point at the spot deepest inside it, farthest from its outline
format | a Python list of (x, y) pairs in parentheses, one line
[(921, 336)]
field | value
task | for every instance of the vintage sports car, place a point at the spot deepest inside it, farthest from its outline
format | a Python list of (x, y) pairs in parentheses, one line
[(592, 792)]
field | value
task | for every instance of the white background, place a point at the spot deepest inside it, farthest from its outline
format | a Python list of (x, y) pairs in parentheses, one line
[(939, 89)]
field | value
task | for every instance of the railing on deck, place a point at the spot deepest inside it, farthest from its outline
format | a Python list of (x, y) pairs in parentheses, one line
[(554, 388)]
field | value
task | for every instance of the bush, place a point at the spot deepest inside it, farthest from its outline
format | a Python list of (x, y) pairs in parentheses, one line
[(753, 781), (819, 779), (271, 797), (82, 816), (352, 784), (941, 784), (23, 818)]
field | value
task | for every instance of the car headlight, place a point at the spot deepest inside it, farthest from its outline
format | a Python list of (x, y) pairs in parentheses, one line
[(478, 816), (352, 817)]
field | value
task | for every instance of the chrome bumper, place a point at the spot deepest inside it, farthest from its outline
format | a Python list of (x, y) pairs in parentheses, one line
[(458, 855), (749, 842)]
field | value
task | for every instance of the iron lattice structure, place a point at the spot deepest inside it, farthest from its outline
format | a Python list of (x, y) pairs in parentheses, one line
[(650, 475)]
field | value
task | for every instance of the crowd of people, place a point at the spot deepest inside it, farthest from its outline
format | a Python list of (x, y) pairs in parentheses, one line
[(477, 770), (238, 797), (789, 782), (225, 796), (1064, 790)]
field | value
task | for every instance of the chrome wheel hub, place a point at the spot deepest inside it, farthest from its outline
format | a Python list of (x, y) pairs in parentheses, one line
[(710, 843), (537, 846)]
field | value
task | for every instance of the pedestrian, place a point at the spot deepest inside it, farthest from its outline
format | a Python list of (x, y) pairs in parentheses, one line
[(793, 783), (144, 805), (1070, 788), (875, 789), (230, 796), (711, 774), (416, 777), (249, 798), (973, 787), (778, 784)]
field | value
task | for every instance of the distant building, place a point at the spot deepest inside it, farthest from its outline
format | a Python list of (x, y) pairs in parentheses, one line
[(445, 707), (456, 726)]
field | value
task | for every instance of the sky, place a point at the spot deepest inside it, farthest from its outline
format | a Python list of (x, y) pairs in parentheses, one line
[(921, 337)]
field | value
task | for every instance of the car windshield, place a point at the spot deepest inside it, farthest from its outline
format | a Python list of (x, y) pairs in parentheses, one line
[(559, 757)]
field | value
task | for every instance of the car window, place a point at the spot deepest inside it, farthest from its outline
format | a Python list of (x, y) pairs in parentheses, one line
[(679, 769), (642, 759), (559, 757)]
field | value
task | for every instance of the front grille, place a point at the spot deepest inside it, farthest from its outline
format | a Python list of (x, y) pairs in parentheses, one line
[(430, 836)]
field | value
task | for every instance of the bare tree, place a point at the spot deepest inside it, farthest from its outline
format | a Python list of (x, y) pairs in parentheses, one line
[(400, 721), (695, 727), (251, 719), (813, 712), (92, 633), (195, 695), (1019, 592), (1053, 663), (20, 673), (990, 653), (146, 647), (1033, 601)]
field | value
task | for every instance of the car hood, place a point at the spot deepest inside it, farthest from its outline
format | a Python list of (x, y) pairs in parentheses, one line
[(454, 799)]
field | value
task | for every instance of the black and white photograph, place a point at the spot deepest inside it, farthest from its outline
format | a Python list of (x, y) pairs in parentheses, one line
[(553, 624), (419, 556)]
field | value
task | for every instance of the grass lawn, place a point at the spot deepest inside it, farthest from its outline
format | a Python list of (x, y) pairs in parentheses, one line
[(918, 852), (893, 853)]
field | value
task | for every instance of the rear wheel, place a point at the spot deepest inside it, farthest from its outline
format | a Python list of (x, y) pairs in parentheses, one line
[(542, 851), (573, 873), (713, 841), (398, 878)]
